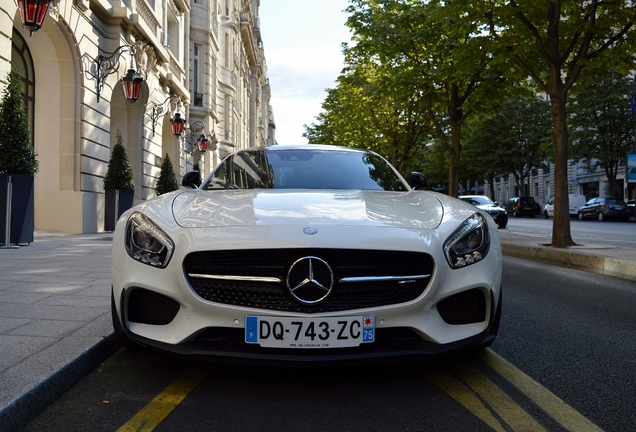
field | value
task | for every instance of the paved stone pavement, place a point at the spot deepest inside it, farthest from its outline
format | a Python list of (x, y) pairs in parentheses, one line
[(55, 322)]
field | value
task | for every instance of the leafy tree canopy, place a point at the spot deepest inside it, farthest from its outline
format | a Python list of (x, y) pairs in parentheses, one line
[(602, 125)]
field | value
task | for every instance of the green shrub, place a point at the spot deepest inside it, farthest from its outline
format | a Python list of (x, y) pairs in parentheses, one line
[(119, 174), (167, 181), (197, 168), (17, 155)]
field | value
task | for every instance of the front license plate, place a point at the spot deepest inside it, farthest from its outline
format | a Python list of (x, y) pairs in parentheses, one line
[(286, 332)]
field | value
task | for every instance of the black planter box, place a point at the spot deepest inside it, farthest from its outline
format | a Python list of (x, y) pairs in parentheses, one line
[(22, 209), (114, 209)]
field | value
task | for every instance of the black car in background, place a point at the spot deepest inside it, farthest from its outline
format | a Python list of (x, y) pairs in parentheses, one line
[(605, 208), (522, 206)]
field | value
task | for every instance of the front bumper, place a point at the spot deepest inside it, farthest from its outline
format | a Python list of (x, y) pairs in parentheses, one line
[(393, 345)]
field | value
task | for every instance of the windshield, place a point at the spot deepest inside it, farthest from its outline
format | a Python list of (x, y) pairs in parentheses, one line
[(305, 169), (478, 200)]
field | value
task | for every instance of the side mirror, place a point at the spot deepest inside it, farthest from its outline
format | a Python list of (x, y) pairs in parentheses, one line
[(418, 181), (192, 180)]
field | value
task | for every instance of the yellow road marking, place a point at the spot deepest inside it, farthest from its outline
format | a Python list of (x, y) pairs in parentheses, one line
[(511, 413), (165, 402), (548, 401), (465, 396)]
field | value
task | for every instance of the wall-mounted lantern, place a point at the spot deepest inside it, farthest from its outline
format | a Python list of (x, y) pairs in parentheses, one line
[(108, 63), (177, 124), (32, 13)]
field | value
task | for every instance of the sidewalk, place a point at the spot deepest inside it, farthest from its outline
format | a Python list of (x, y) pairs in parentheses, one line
[(55, 322)]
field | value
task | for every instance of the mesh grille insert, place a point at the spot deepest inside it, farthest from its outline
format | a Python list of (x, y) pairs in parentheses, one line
[(275, 263)]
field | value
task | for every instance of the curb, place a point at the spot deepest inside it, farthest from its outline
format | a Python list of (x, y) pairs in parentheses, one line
[(31, 403), (589, 262)]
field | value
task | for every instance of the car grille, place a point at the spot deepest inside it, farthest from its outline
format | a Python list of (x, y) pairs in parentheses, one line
[(391, 270)]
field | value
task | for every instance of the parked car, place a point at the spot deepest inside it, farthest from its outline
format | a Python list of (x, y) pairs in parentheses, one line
[(522, 206), (575, 202), (306, 254), (489, 206), (631, 204), (548, 210), (604, 208)]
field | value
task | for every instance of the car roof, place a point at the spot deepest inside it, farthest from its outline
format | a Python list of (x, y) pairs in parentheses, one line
[(322, 147)]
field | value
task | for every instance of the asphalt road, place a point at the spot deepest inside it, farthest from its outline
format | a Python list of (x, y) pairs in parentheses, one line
[(615, 233), (564, 359)]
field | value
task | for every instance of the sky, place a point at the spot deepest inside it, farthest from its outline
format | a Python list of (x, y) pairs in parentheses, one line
[(302, 40)]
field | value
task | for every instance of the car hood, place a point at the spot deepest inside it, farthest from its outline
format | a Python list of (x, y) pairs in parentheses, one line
[(235, 208)]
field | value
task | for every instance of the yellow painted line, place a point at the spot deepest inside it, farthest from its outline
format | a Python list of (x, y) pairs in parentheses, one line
[(165, 402), (569, 418), (511, 413), (465, 396)]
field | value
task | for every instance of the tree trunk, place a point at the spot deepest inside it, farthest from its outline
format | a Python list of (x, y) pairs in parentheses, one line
[(455, 149), (561, 235)]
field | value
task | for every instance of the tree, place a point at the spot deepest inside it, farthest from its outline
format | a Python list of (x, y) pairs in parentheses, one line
[(119, 174), (602, 126), (376, 108), (553, 41), (442, 42), (17, 155), (167, 181), (511, 140)]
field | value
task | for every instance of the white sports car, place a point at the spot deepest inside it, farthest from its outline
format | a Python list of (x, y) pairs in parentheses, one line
[(306, 254)]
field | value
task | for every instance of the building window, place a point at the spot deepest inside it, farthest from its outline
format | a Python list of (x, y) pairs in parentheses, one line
[(227, 50), (172, 34), (22, 62), (195, 66)]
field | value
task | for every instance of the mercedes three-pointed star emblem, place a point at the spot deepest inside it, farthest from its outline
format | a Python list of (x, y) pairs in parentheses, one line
[(310, 280)]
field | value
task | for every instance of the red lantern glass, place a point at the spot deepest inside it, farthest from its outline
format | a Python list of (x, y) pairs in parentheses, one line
[(202, 142), (32, 13), (177, 124), (132, 85)]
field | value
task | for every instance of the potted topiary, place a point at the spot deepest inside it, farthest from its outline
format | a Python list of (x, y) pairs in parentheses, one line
[(167, 181), (18, 166), (197, 168), (119, 185)]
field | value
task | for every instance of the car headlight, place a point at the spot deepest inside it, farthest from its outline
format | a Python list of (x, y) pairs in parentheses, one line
[(469, 243), (146, 242)]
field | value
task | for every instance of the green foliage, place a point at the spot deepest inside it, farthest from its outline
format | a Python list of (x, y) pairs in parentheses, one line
[(374, 108), (197, 168), (167, 181), (416, 70), (601, 124), (510, 141), (17, 155), (119, 174)]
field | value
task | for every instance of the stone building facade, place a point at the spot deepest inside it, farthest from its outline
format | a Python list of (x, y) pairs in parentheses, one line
[(203, 59), (540, 184)]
